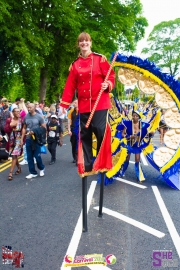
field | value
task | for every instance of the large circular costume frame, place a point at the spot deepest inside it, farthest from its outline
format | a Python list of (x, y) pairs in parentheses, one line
[(151, 81)]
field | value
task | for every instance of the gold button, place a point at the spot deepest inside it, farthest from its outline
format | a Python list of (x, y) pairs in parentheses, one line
[(79, 67), (84, 90), (83, 82), (89, 90), (80, 74)]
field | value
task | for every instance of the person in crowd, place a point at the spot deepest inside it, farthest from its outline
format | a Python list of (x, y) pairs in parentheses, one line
[(72, 127), (61, 116), (125, 111), (54, 137), (87, 77), (3, 101), (23, 108), (23, 112), (38, 109), (16, 103), (52, 109), (46, 114), (4, 115), (163, 128), (13, 128), (1, 97), (3, 153), (31, 122)]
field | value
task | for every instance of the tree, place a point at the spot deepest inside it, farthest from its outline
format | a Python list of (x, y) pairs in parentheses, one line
[(135, 93), (163, 46), (119, 90), (37, 38)]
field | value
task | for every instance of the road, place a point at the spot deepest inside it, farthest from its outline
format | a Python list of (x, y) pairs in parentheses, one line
[(41, 217)]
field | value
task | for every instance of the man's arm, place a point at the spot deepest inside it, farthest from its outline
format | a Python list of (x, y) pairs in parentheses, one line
[(43, 125)]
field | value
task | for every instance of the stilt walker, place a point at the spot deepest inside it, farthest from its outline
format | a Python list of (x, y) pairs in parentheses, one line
[(93, 78)]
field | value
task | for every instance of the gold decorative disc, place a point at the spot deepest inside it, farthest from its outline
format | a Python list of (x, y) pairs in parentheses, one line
[(162, 155), (172, 138), (147, 86), (172, 118), (127, 76), (164, 99)]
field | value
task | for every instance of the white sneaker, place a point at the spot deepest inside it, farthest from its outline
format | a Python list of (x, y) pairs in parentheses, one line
[(31, 176), (23, 162), (41, 173), (35, 161)]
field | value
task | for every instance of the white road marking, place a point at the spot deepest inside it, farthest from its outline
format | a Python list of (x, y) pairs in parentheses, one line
[(144, 159), (71, 251), (167, 218), (133, 222), (130, 183), (132, 162)]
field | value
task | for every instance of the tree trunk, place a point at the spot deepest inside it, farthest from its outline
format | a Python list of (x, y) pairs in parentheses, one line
[(43, 84)]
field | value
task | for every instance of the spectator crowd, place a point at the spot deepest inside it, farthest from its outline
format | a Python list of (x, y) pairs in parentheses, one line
[(25, 128)]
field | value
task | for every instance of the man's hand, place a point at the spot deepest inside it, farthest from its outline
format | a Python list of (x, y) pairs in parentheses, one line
[(70, 133)]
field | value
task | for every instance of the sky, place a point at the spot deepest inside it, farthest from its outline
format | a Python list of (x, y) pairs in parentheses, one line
[(156, 11)]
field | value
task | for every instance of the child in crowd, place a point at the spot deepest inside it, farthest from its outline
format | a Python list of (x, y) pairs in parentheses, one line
[(54, 137)]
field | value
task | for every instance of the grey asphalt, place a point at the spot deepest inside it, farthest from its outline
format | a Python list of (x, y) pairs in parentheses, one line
[(38, 216)]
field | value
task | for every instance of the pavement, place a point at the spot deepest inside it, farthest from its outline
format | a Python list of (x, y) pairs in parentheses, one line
[(41, 217)]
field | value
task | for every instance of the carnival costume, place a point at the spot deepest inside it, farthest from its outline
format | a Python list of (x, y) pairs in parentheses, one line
[(135, 146), (165, 92), (86, 76)]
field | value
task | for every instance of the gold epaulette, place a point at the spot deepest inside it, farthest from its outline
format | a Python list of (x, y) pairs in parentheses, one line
[(70, 67), (103, 57)]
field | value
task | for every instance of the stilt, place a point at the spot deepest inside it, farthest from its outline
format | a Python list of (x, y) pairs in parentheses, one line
[(84, 204), (101, 195)]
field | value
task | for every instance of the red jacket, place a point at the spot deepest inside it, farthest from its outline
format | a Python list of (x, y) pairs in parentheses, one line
[(86, 76)]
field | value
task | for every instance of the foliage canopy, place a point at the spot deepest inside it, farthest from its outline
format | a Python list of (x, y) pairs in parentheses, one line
[(38, 40), (163, 46)]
